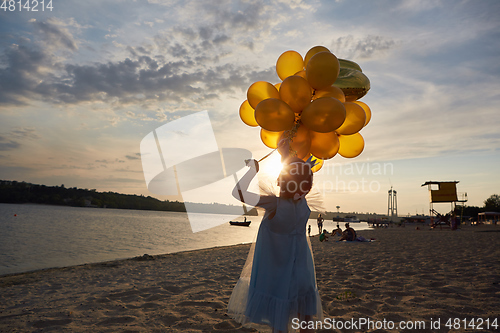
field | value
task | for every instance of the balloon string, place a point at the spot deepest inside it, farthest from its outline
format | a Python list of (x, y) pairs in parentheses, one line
[(279, 144), (263, 158)]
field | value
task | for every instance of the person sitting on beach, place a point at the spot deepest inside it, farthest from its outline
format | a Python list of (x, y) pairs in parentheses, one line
[(349, 234), (337, 231), (323, 236)]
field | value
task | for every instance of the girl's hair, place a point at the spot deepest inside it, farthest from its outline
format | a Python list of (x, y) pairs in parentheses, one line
[(295, 177)]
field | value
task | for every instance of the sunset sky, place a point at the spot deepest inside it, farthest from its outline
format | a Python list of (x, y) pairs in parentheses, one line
[(83, 84)]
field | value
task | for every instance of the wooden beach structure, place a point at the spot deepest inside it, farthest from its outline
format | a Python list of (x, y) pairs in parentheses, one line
[(446, 192), (488, 218)]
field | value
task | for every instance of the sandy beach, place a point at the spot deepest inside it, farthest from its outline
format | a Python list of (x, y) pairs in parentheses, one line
[(405, 275)]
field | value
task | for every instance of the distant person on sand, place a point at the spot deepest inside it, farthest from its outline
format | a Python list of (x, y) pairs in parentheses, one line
[(320, 223), (278, 281), (323, 236), (337, 231), (309, 230), (349, 234)]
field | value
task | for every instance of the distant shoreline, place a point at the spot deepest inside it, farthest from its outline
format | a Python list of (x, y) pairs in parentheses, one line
[(88, 207), (22, 192)]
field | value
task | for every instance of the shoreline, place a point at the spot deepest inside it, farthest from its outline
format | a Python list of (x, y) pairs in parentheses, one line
[(406, 274), (146, 256), (134, 258)]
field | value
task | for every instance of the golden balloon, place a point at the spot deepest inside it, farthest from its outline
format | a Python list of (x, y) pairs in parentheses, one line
[(330, 91), (312, 52), (355, 118), (300, 142), (324, 145), (351, 145), (322, 70), (247, 114), (274, 115), (270, 139), (368, 112), (302, 74), (324, 115), (260, 91), (289, 63), (296, 92)]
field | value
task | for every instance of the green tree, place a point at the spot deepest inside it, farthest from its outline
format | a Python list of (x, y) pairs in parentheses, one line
[(492, 204)]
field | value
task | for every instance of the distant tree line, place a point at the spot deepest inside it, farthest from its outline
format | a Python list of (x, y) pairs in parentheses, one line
[(492, 204), (22, 192)]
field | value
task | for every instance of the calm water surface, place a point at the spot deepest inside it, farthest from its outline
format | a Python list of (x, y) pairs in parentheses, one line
[(39, 236)]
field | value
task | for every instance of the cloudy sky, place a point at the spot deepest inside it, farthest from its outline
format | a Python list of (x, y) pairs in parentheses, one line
[(83, 84)]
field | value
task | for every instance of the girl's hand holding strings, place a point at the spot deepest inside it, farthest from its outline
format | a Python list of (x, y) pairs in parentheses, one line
[(284, 149), (251, 163)]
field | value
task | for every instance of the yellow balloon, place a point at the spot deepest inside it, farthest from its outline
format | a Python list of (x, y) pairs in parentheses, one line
[(353, 83), (260, 91), (355, 119), (300, 142), (368, 112), (296, 92), (274, 115), (324, 115), (277, 86), (351, 145), (289, 63), (330, 91), (270, 139), (301, 74), (247, 114), (319, 162), (324, 145), (322, 70), (312, 52)]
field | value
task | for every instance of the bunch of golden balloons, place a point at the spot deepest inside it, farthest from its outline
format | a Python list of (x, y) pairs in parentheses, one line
[(315, 106)]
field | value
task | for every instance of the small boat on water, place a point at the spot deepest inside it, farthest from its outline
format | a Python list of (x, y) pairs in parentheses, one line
[(243, 224)]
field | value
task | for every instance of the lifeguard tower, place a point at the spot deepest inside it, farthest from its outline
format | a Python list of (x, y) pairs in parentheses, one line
[(446, 192)]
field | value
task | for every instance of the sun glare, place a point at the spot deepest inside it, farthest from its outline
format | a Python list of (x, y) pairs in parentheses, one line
[(272, 165)]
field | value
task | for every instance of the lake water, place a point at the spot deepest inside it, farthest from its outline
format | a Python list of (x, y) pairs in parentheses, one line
[(38, 236)]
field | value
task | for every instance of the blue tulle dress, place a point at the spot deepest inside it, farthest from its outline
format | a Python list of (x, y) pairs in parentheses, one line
[(278, 281)]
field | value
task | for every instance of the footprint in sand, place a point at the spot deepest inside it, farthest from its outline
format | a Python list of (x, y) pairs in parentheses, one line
[(51, 322), (116, 321), (150, 306)]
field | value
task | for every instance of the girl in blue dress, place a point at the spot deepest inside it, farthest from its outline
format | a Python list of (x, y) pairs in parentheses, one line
[(277, 286)]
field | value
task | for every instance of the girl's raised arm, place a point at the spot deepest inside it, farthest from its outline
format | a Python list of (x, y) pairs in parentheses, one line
[(240, 191)]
